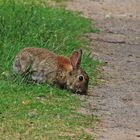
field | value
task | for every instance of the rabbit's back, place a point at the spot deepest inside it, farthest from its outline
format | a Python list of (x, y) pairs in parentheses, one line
[(38, 61)]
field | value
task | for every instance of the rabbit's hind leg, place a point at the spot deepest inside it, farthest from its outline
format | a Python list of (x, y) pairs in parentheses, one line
[(38, 77), (22, 64)]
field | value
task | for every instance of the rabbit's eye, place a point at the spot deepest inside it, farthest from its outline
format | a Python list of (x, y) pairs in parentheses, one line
[(81, 78)]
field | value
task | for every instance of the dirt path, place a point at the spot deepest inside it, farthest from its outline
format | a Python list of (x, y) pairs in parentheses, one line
[(117, 102)]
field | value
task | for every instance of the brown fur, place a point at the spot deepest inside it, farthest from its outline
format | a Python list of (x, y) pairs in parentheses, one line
[(64, 63)]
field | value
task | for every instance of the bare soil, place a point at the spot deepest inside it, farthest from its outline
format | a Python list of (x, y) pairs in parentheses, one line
[(117, 101)]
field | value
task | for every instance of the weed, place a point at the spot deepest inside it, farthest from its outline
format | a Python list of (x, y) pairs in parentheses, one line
[(31, 111)]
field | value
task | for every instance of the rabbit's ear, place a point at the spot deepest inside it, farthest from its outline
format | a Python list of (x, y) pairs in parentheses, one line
[(76, 58)]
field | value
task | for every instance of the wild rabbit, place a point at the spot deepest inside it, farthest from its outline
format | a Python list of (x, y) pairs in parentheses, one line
[(42, 66)]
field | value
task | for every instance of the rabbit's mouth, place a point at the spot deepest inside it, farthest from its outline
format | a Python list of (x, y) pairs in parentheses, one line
[(81, 92), (77, 91), (72, 89)]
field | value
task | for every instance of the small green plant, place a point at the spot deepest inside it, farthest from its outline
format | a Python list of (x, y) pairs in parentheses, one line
[(31, 111)]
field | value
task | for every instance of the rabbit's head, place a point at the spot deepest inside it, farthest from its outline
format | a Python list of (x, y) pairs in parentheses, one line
[(77, 79)]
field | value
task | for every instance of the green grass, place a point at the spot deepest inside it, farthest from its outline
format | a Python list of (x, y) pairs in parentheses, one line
[(31, 111)]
